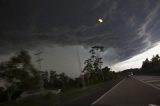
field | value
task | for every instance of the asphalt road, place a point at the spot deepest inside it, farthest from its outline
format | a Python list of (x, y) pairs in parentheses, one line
[(134, 91)]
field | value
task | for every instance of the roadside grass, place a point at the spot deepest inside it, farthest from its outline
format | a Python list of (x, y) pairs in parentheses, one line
[(74, 93), (51, 100), (41, 100)]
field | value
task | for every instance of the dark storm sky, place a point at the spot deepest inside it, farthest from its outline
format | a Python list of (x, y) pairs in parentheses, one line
[(130, 26)]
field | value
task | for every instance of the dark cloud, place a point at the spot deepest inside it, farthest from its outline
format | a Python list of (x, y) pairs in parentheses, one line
[(130, 26)]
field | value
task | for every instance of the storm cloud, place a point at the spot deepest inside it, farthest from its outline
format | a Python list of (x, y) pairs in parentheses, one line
[(129, 28)]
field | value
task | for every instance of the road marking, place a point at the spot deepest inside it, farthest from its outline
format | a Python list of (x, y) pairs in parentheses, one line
[(147, 83), (153, 105), (158, 85), (153, 81), (107, 92)]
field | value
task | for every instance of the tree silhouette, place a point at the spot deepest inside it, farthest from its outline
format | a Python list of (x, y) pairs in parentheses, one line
[(152, 66), (97, 60), (93, 66), (19, 73)]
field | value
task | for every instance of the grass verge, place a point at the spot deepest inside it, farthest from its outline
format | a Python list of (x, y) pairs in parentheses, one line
[(51, 100)]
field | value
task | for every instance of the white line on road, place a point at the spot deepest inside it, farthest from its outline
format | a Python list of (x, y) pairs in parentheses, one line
[(147, 83), (153, 81), (158, 85), (107, 92)]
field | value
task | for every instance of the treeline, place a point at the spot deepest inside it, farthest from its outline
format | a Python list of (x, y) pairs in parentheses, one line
[(52, 80), (151, 66), (19, 75), (127, 72)]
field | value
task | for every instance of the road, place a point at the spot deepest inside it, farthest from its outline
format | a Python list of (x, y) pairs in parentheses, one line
[(134, 91)]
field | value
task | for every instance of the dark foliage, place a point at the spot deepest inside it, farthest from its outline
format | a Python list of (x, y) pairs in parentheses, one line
[(151, 66)]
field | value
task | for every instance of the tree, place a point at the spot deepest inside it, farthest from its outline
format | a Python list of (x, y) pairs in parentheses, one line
[(97, 60), (88, 66), (19, 73), (146, 64), (152, 66), (107, 73), (54, 82), (93, 65), (155, 61), (64, 80)]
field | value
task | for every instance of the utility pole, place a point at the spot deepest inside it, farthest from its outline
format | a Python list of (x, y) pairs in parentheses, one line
[(79, 63), (80, 68), (39, 60)]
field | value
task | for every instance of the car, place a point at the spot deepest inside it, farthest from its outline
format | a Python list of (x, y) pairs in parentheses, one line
[(130, 74)]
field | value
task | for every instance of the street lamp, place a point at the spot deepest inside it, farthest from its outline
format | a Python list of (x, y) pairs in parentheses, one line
[(100, 20)]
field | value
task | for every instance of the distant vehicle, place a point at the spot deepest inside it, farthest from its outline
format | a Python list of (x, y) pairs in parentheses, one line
[(130, 74)]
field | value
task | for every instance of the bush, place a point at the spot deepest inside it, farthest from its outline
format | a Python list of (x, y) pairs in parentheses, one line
[(3, 95)]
